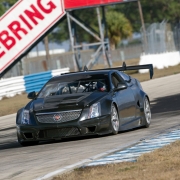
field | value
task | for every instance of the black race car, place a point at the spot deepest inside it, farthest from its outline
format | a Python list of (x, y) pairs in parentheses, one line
[(83, 103)]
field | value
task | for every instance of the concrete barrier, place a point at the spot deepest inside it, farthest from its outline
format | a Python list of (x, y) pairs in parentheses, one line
[(160, 61)]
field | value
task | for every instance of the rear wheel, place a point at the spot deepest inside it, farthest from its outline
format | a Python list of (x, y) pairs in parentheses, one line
[(114, 120), (147, 113)]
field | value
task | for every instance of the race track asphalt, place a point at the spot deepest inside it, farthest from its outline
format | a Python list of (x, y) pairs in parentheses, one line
[(31, 162)]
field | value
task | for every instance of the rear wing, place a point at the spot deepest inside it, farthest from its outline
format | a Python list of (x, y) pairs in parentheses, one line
[(127, 68), (138, 67)]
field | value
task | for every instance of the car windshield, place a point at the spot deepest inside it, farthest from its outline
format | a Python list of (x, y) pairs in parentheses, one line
[(89, 83)]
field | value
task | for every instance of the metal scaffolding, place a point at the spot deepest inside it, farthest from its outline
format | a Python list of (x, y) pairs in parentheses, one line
[(101, 37)]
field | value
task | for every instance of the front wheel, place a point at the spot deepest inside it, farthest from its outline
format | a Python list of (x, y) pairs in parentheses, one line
[(114, 120), (147, 113)]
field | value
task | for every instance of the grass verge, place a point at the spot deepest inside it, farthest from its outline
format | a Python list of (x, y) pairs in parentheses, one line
[(161, 164), (11, 105)]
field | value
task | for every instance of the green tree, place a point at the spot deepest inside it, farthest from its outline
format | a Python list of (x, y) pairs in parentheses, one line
[(5, 5), (153, 11), (119, 27), (88, 16), (60, 33)]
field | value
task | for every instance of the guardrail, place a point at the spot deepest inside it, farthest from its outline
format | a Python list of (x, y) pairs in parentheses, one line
[(12, 86)]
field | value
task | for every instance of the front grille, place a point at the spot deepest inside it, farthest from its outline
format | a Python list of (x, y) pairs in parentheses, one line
[(57, 133), (58, 117)]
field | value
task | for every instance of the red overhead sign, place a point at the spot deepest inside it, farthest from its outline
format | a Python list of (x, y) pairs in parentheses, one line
[(72, 4), (24, 24)]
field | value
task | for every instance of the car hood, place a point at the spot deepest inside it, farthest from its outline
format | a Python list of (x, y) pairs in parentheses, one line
[(67, 101)]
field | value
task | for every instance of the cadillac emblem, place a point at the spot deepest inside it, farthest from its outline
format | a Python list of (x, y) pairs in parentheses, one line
[(57, 117)]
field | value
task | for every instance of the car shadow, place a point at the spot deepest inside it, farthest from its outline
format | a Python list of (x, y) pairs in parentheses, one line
[(166, 104)]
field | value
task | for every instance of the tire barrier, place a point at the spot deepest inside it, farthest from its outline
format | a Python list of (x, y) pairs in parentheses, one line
[(12, 86)]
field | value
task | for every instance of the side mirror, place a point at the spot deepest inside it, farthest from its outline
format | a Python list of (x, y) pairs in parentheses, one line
[(31, 95), (120, 87)]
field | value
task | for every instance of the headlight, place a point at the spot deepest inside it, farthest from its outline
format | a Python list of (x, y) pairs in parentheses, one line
[(94, 110), (25, 117)]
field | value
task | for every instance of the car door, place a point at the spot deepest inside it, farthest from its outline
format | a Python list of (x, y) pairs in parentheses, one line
[(125, 99)]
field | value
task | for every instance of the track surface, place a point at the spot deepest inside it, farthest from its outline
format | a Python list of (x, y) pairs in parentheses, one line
[(31, 162)]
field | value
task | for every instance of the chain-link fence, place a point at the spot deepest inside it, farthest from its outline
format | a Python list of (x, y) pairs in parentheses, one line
[(159, 38), (176, 33)]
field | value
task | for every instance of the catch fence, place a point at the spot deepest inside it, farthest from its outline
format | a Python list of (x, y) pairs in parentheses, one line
[(160, 38)]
